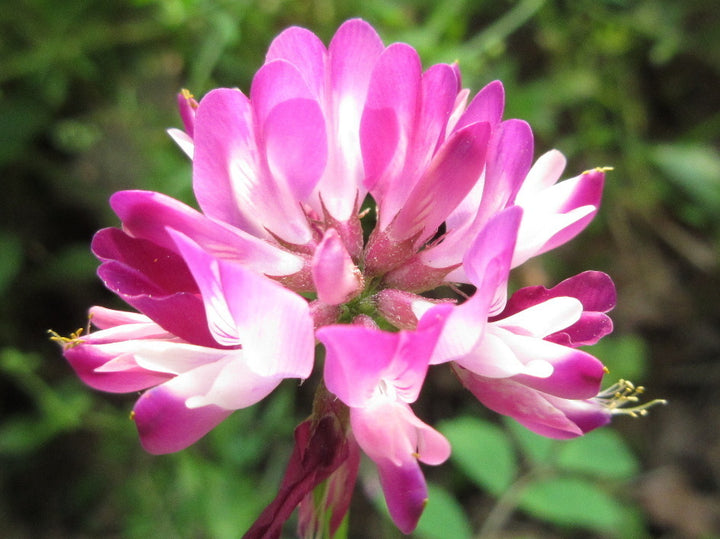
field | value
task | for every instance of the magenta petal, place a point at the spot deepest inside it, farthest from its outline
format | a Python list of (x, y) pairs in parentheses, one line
[(508, 162), (155, 281), (165, 424), (405, 493), (487, 261), (486, 106), (487, 264), (275, 83), (181, 313), (576, 374), (453, 172), (161, 267), (358, 358), (353, 52), (594, 289), (355, 359), (149, 215), (439, 87), (391, 435), (527, 406), (85, 359)]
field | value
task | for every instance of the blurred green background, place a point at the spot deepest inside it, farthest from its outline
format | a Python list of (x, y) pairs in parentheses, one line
[(86, 91)]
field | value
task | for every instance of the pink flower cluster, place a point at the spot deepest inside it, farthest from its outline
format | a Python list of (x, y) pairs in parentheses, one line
[(235, 298)]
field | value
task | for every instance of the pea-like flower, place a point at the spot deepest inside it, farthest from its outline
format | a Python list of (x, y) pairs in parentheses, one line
[(334, 197)]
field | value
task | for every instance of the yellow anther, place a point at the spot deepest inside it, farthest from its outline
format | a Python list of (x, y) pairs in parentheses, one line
[(599, 169), (606, 370), (189, 98), (66, 342), (132, 415), (616, 397)]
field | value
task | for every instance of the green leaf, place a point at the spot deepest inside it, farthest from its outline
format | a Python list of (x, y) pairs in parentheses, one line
[(443, 517), (625, 356), (483, 451), (694, 168), (601, 453), (536, 448), (572, 501), (11, 259)]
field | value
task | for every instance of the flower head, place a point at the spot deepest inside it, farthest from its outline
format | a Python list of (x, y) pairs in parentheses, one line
[(232, 297)]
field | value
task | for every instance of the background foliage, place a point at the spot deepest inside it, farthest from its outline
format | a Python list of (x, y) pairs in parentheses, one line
[(86, 90)]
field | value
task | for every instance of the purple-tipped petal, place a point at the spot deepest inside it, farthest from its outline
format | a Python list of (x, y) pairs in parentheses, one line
[(87, 360), (165, 423), (155, 281), (395, 439), (508, 397), (557, 214), (595, 291)]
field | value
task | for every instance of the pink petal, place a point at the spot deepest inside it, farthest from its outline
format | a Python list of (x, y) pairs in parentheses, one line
[(355, 360), (165, 423), (149, 215), (230, 176), (529, 407), (236, 385), (305, 52), (557, 214), (395, 440), (486, 106), (224, 133), (576, 374), (353, 52), (296, 145), (487, 263), (508, 162), (596, 292), (272, 324), (388, 124), (104, 318), (88, 359), (337, 279), (544, 318), (453, 172), (275, 83), (183, 140), (358, 358)]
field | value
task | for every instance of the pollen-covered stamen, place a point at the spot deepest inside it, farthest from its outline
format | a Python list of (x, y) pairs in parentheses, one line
[(616, 397), (67, 342), (598, 169), (189, 97)]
